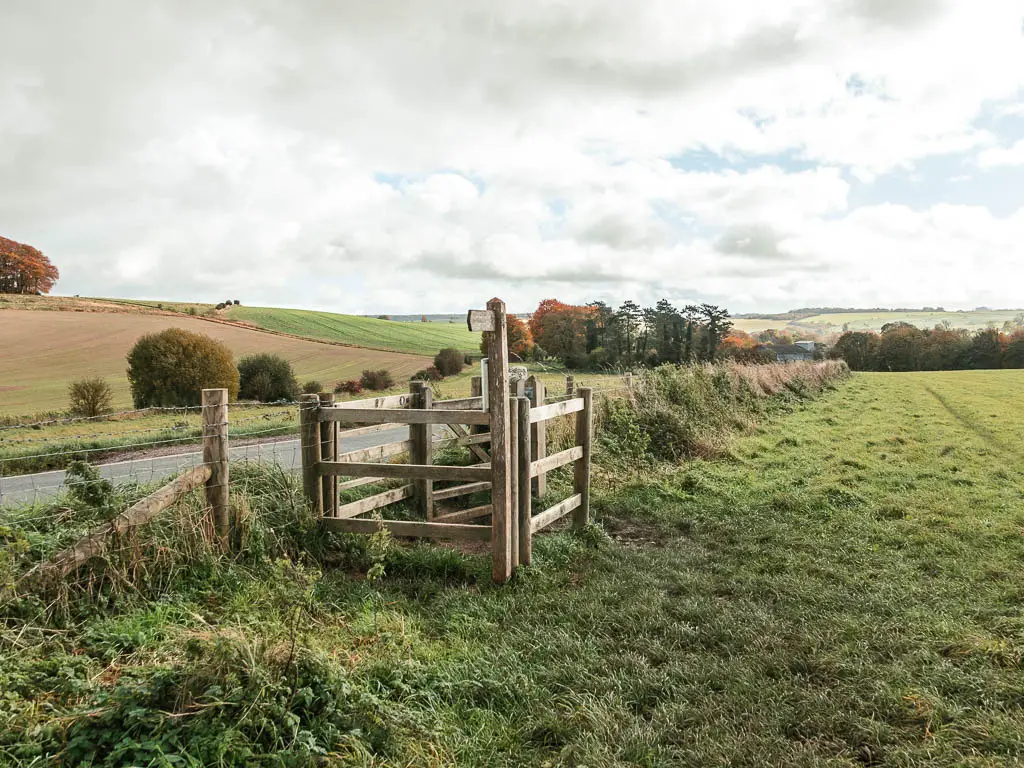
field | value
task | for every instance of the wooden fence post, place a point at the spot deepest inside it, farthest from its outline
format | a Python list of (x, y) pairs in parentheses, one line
[(525, 512), (309, 445), (539, 436), (422, 436), (569, 386), (581, 474), (502, 512), (629, 383), (328, 452), (513, 463), (215, 454)]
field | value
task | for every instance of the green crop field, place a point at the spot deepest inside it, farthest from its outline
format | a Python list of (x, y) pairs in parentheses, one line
[(842, 587), (416, 338), (873, 321)]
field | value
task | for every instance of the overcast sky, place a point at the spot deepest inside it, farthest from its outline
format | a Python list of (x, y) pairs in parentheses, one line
[(392, 156)]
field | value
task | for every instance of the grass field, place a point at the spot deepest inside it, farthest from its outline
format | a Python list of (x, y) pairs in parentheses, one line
[(842, 589), (44, 351), (417, 338), (873, 321)]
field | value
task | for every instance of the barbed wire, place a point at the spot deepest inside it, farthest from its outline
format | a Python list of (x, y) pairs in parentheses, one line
[(101, 417), (107, 449), (128, 432), (95, 435), (136, 411)]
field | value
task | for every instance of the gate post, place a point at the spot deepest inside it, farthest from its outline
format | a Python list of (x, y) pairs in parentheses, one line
[(494, 324), (581, 474), (328, 452), (422, 436), (513, 468), (476, 389), (525, 511), (309, 445), (539, 435)]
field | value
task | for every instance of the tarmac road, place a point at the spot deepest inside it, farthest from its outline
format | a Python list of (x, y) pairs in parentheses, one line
[(29, 489)]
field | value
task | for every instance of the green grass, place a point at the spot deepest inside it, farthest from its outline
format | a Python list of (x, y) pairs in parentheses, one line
[(843, 588), (417, 338)]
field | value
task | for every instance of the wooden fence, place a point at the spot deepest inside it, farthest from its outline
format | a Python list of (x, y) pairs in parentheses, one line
[(507, 442)]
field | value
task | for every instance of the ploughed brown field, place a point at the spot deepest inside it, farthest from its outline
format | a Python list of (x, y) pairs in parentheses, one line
[(41, 352)]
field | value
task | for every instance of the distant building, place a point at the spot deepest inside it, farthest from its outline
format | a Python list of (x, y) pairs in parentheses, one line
[(790, 353)]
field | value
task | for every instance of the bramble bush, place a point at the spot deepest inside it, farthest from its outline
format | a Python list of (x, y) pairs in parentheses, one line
[(427, 374), (350, 387), (377, 380)]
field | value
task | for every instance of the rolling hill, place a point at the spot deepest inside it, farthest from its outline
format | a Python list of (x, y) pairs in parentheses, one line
[(44, 350), (356, 330), (415, 338), (874, 320)]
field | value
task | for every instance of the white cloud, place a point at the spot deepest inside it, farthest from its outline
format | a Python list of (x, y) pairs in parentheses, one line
[(1000, 156), (425, 158)]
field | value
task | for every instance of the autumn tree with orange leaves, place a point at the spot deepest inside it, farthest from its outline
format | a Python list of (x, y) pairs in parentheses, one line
[(561, 329), (24, 269), (520, 340)]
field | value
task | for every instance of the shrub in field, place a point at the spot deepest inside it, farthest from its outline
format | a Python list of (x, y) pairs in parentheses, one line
[(427, 374), (449, 361), (377, 380), (90, 397), (172, 367), (266, 377), (350, 387), (312, 387), (598, 359)]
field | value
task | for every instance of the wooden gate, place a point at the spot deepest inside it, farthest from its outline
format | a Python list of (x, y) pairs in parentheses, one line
[(506, 470)]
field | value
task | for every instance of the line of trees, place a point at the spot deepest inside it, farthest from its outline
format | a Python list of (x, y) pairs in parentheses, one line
[(597, 335), (905, 347)]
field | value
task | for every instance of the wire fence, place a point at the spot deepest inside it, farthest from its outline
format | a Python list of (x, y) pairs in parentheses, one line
[(135, 451), (34, 455)]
